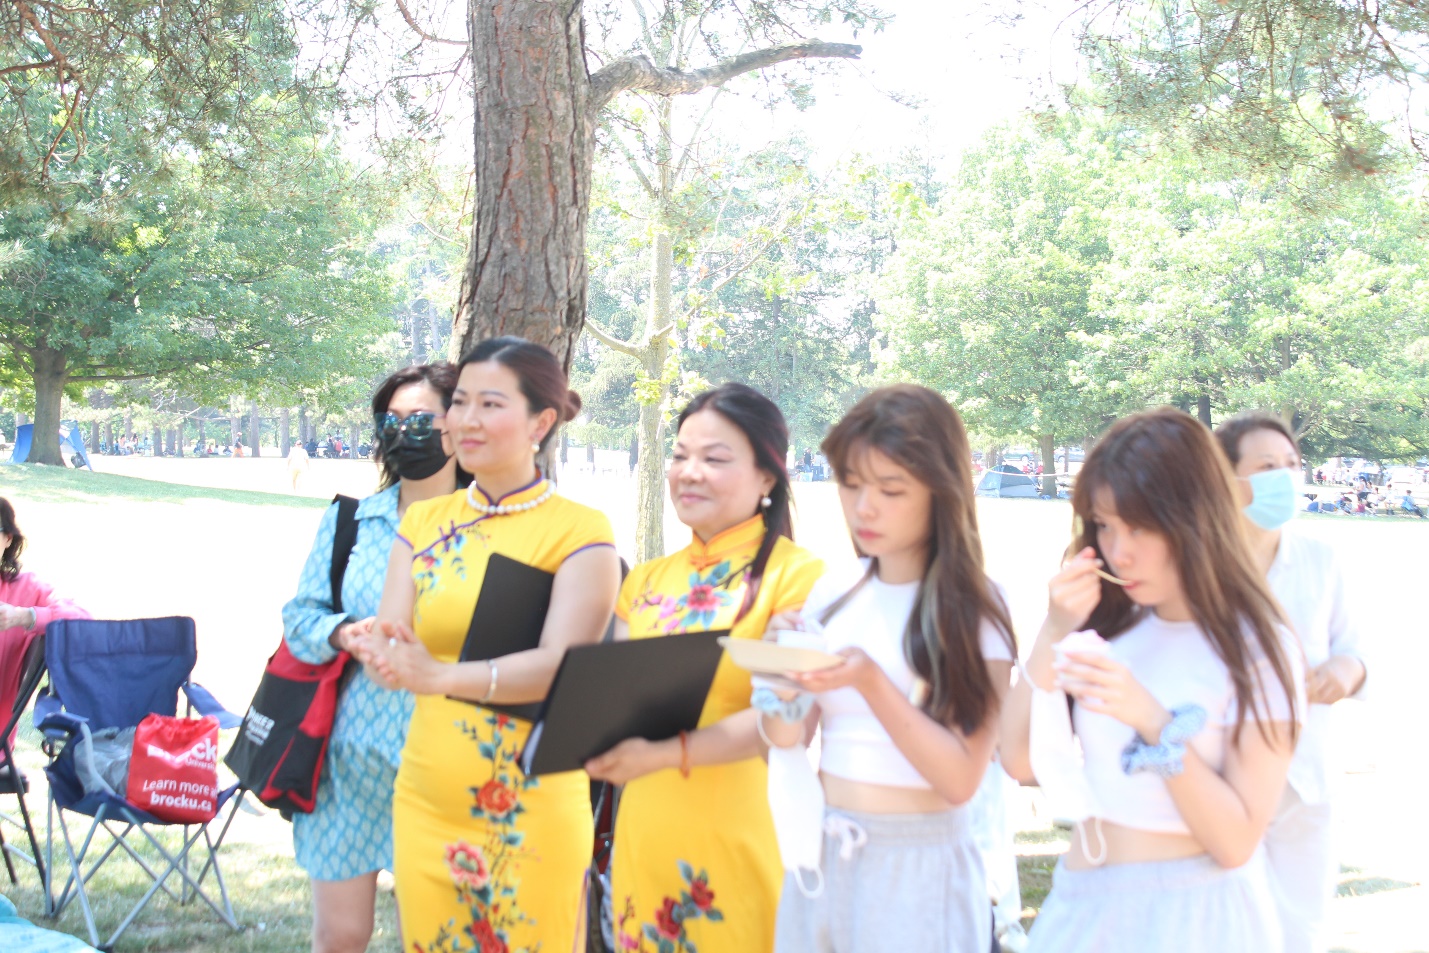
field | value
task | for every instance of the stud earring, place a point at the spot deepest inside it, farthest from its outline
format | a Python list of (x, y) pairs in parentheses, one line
[(535, 448), (766, 502)]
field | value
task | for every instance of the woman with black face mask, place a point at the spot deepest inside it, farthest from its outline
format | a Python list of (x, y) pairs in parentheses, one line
[(347, 839)]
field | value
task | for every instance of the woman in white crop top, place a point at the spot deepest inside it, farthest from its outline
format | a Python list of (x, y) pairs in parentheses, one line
[(1186, 690), (909, 717)]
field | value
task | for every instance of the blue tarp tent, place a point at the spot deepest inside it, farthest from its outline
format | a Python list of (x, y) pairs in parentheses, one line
[(71, 445)]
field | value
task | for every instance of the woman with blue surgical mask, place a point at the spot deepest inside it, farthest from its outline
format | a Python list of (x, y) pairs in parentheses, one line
[(1305, 576)]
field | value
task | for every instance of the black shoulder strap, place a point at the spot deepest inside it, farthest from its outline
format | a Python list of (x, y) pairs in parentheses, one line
[(342, 543)]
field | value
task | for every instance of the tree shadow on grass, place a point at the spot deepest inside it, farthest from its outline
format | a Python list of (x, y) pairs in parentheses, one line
[(41, 484), (1358, 884)]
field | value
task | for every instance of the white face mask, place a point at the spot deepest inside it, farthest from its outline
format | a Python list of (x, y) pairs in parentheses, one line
[(796, 800), (1057, 763)]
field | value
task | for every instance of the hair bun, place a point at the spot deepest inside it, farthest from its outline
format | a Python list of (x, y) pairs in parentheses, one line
[(573, 405)]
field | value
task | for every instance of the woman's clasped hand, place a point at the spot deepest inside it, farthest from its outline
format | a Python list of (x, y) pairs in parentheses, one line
[(394, 656)]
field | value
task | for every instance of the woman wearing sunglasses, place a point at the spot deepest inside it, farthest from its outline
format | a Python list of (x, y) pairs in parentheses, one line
[(347, 838)]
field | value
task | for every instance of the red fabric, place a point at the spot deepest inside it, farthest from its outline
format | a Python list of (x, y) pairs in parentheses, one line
[(14, 643), (29, 592), (173, 773), (26, 591)]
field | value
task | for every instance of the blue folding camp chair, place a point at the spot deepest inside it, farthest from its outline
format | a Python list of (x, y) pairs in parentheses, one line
[(111, 675)]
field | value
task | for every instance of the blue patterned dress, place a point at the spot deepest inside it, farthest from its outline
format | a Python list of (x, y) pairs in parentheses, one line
[(349, 832)]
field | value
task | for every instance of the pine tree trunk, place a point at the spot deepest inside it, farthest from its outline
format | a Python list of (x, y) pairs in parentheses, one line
[(285, 432), (50, 374), (255, 427), (526, 265)]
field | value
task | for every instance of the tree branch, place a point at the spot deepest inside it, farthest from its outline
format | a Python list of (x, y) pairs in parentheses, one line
[(25, 67), (638, 73), (417, 28), (610, 340), (101, 378)]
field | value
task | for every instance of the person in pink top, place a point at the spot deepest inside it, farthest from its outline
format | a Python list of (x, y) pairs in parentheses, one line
[(26, 603), (26, 607)]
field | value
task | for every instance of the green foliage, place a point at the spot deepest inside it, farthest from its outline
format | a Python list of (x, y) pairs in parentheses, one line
[(989, 296), (211, 74), (216, 279), (1067, 279), (1283, 86), (772, 280)]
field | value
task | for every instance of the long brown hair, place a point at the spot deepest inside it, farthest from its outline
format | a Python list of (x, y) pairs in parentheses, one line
[(10, 559), (918, 430), (1166, 474)]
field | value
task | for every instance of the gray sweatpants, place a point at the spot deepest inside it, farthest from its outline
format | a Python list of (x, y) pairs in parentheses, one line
[(908, 882), (1171, 906)]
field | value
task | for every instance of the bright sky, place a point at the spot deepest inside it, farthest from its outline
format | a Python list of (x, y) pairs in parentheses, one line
[(942, 73), (941, 61)]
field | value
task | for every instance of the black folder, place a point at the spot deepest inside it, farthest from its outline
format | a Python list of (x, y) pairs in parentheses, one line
[(644, 688), (509, 616)]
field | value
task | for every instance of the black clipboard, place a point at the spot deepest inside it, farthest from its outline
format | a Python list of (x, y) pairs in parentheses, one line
[(602, 694), (509, 616)]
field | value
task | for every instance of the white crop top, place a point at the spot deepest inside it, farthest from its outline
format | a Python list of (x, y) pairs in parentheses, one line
[(1176, 663), (855, 744)]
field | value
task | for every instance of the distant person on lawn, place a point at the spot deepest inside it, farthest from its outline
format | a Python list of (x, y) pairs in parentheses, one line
[(297, 464)]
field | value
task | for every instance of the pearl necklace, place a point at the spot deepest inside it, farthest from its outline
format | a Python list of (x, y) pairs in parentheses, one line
[(503, 509)]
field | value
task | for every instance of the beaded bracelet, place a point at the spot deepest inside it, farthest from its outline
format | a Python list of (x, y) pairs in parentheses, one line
[(1166, 758)]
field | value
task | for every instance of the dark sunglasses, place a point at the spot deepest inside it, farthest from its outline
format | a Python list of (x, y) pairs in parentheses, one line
[(417, 426)]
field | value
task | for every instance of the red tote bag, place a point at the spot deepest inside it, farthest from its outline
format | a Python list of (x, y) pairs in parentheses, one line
[(173, 772)]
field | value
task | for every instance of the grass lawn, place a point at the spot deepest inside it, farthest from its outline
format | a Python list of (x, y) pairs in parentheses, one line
[(134, 540)]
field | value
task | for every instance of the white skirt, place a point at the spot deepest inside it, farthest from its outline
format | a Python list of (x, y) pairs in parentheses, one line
[(1170, 906)]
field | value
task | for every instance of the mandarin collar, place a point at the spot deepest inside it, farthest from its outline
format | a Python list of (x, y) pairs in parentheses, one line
[(704, 554), (526, 493)]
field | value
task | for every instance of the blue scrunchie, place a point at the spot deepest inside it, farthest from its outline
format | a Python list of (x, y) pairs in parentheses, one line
[(793, 711), (1166, 758)]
